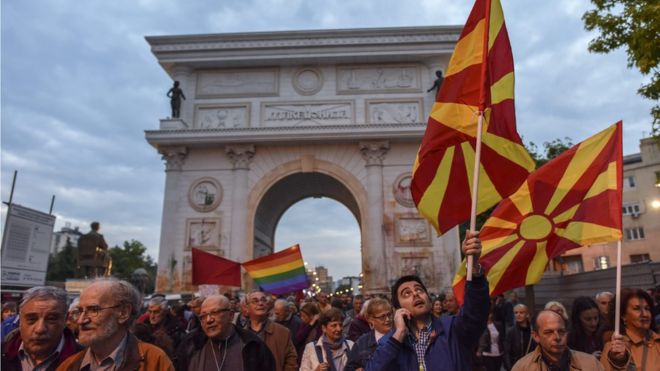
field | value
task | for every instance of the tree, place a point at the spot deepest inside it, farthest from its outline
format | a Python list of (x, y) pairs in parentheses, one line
[(128, 258), (62, 265), (632, 24)]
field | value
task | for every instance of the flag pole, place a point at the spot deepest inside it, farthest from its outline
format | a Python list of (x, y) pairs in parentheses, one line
[(475, 190), (617, 303)]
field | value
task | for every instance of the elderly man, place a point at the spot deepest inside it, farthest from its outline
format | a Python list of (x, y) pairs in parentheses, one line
[(284, 315), (42, 340), (351, 313), (220, 345), (603, 300), (163, 326), (552, 353), (423, 342), (195, 307), (107, 309), (276, 336)]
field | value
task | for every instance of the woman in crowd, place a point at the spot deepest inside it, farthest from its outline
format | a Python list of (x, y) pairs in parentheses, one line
[(330, 351), (310, 330), (436, 309), (379, 315), (637, 347), (518, 340), (491, 345), (585, 329), (558, 308), (359, 325)]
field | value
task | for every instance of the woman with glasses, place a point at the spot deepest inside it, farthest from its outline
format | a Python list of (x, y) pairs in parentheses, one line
[(638, 346), (379, 316)]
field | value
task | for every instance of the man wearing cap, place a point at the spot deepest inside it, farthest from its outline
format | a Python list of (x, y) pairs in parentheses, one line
[(422, 342)]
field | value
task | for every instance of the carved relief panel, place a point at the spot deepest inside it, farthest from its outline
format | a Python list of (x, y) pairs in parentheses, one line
[(203, 233), (222, 116), (401, 190), (205, 194), (401, 111), (361, 79), (238, 83), (411, 230), (419, 264)]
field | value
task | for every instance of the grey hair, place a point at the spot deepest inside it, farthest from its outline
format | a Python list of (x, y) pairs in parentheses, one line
[(282, 302), (363, 311), (598, 296), (223, 299), (160, 301), (45, 293), (521, 305), (125, 294)]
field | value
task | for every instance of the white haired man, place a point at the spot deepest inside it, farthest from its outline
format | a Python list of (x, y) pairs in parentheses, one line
[(42, 340), (284, 314), (107, 309)]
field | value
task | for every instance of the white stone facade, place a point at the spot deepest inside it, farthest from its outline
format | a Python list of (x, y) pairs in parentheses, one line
[(271, 118)]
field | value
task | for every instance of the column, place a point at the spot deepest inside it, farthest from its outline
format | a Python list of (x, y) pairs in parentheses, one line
[(374, 249), (183, 74), (169, 274), (240, 157)]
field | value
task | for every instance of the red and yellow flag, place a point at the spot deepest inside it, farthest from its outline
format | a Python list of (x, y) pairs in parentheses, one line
[(572, 201), (479, 78)]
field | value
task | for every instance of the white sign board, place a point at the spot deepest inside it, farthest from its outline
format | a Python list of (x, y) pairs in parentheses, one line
[(26, 246)]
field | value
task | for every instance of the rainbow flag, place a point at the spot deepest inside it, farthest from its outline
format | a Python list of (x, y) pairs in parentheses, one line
[(279, 273)]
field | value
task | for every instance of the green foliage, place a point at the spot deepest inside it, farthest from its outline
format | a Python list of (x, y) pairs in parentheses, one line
[(632, 24), (128, 258), (63, 264)]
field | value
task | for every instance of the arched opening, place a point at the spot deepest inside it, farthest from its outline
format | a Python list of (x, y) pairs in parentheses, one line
[(330, 238), (286, 192)]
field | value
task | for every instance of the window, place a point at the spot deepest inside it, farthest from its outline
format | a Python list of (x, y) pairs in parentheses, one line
[(628, 182), (636, 233), (573, 264), (631, 209), (657, 179), (602, 262), (639, 258)]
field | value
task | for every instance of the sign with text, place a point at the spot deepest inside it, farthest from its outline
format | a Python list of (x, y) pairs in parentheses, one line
[(26, 246)]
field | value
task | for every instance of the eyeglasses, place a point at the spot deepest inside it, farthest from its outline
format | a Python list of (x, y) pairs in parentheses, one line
[(384, 317), (261, 300), (92, 311), (214, 313)]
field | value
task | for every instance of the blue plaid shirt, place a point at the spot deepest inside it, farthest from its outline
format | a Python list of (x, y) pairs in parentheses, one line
[(421, 343)]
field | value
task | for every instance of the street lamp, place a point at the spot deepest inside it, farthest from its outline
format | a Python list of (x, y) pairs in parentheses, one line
[(655, 204)]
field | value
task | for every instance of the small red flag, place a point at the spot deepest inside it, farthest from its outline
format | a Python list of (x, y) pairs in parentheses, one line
[(209, 269)]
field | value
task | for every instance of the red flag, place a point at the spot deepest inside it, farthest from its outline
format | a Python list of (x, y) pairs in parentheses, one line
[(210, 269)]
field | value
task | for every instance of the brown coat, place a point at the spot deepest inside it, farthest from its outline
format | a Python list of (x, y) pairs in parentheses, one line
[(278, 340), (635, 346), (138, 355), (579, 361)]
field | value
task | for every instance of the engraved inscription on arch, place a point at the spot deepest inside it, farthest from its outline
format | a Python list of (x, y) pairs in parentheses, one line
[(307, 113), (365, 79), (238, 83)]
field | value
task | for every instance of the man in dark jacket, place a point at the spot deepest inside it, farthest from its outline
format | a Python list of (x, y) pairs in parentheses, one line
[(518, 341), (220, 345), (165, 329), (421, 342), (42, 339), (285, 316)]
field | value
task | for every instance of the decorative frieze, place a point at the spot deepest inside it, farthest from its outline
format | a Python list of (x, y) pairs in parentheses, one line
[(398, 111), (307, 80), (374, 152), (367, 79), (222, 116), (307, 113), (237, 83)]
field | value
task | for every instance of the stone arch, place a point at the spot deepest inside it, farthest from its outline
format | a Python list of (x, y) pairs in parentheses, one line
[(324, 179)]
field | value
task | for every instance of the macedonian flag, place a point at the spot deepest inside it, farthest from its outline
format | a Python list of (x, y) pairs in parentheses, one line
[(479, 78), (572, 201)]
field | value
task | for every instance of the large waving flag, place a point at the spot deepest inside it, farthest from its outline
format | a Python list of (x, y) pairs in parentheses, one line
[(211, 269), (479, 78), (572, 201), (279, 273)]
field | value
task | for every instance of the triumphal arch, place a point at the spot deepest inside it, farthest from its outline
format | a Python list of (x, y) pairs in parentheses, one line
[(271, 118)]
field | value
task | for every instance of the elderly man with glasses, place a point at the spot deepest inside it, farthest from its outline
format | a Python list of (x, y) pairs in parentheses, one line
[(220, 345), (276, 336), (42, 340), (107, 309)]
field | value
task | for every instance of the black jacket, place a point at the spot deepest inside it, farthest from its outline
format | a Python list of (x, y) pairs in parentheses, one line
[(256, 356), (484, 340), (517, 343), (362, 350)]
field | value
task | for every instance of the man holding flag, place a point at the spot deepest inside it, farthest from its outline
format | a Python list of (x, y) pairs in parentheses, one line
[(421, 342)]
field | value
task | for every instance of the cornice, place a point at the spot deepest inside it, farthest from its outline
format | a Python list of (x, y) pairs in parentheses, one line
[(275, 135)]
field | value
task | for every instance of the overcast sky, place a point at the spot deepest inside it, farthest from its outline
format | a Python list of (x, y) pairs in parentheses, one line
[(80, 86)]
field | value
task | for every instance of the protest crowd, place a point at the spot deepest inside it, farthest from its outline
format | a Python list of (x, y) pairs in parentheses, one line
[(110, 328)]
